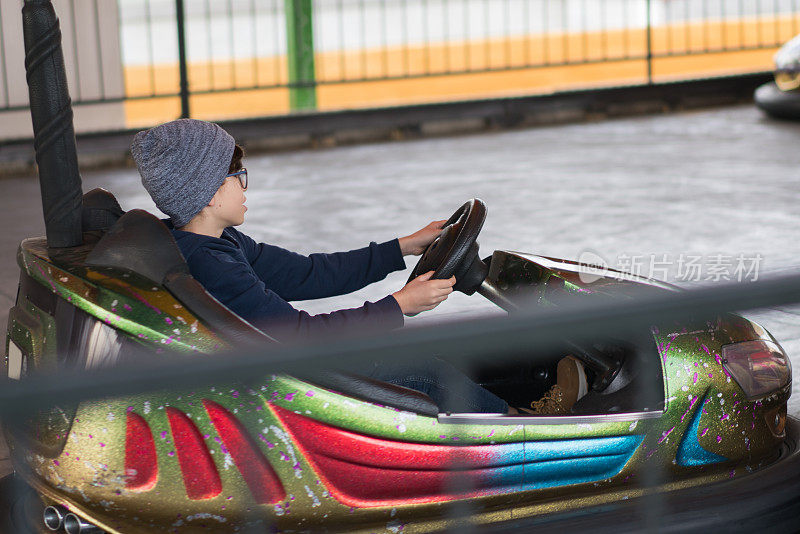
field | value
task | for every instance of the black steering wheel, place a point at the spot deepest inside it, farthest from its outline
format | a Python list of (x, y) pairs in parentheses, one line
[(455, 251)]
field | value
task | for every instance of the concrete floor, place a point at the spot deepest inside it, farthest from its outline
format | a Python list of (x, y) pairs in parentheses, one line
[(706, 183)]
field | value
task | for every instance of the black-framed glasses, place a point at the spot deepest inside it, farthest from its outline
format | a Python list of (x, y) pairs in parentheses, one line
[(241, 175)]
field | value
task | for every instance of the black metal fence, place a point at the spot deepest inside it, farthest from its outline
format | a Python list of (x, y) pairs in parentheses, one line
[(172, 49)]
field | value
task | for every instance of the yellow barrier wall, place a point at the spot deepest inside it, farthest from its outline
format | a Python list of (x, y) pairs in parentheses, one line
[(597, 60)]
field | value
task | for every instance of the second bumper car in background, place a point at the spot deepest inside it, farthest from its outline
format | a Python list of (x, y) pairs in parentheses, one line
[(781, 97)]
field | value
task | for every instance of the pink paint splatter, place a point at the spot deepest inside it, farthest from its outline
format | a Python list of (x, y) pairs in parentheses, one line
[(691, 405), (719, 439), (55, 462), (168, 320), (665, 435), (290, 396), (694, 379), (309, 393), (127, 307), (144, 301), (49, 281)]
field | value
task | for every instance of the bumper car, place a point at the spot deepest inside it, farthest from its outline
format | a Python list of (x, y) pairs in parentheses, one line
[(342, 451), (701, 403), (781, 98)]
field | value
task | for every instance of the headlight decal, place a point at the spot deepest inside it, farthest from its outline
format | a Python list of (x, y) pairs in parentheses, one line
[(760, 367)]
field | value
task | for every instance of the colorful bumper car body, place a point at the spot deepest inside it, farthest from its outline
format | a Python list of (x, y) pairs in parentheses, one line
[(347, 452)]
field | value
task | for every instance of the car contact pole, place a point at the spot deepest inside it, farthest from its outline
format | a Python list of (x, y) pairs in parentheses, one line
[(54, 134), (180, 14)]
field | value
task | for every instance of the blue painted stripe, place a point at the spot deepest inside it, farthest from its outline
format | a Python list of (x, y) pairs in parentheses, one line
[(561, 449), (573, 471), (580, 448), (690, 452), (560, 462)]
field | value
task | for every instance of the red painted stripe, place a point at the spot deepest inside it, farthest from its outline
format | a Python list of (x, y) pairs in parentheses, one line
[(256, 470), (359, 449), (363, 471), (199, 472), (141, 463)]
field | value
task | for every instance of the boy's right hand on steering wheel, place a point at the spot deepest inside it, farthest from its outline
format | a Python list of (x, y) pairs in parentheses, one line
[(423, 294)]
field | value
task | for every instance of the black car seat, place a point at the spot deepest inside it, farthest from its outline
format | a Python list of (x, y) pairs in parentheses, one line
[(139, 242)]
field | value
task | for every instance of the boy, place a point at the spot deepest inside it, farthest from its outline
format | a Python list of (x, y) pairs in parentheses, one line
[(193, 171)]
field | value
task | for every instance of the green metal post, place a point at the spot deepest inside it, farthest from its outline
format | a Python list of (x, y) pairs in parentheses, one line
[(300, 55)]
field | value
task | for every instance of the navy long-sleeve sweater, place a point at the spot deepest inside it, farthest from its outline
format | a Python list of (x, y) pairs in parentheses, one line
[(257, 280)]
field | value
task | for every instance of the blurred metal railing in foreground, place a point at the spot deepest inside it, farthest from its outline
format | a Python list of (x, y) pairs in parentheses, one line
[(469, 342), (267, 57)]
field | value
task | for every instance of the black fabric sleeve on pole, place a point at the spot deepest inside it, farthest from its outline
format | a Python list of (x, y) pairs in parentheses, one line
[(54, 134), (184, 77)]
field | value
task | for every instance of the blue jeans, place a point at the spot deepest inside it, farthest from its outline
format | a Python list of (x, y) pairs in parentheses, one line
[(450, 389)]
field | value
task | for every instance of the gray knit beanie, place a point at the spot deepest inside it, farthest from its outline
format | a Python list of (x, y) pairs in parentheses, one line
[(182, 164)]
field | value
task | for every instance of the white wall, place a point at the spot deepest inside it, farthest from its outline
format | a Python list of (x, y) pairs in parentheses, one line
[(90, 41)]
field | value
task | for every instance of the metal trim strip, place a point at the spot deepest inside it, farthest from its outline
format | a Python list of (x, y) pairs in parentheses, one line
[(500, 419)]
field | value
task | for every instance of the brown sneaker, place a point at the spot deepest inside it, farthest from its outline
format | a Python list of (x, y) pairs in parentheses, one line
[(550, 403), (571, 385), (571, 378)]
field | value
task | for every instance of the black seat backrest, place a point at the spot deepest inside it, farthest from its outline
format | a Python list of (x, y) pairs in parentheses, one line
[(100, 210), (139, 242)]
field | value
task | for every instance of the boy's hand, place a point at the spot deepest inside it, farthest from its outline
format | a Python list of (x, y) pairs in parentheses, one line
[(416, 243), (422, 293)]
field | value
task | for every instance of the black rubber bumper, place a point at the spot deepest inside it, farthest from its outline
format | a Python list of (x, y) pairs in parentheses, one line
[(767, 500), (777, 103), (20, 508)]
